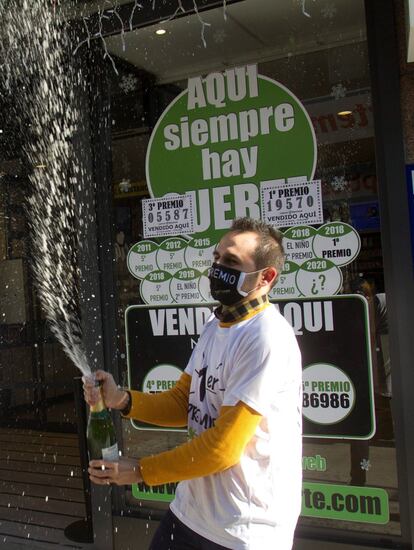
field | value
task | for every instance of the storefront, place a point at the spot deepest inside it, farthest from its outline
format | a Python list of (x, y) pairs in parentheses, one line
[(288, 111)]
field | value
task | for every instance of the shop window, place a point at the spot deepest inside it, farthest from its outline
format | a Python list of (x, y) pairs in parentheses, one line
[(321, 58)]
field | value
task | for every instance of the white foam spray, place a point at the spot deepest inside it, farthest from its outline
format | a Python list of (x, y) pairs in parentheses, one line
[(35, 52)]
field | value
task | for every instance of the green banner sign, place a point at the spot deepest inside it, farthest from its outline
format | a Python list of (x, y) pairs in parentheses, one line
[(224, 135), (319, 500), (344, 502), (160, 493)]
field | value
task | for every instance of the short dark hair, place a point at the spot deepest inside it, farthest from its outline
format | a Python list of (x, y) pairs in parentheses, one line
[(269, 250)]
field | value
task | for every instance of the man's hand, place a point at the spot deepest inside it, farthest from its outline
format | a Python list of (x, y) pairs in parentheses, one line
[(124, 472), (114, 397)]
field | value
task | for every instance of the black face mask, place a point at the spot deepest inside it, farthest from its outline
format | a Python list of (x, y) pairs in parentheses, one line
[(226, 283)]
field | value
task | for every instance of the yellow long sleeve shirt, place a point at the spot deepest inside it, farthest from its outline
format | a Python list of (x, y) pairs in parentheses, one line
[(214, 450)]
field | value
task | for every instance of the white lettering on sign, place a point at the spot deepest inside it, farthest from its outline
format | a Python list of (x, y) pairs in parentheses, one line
[(231, 163), (311, 316), (217, 124), (174, 322), (221, 206), (242, 126), (216, 89), (235, 84), (211, 205)]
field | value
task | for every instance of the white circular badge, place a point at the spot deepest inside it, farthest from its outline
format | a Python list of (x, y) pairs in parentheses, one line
[(297, 242), (161, 378), (199, 254), (155, 288), (337, 242), (141, 258), (285, 287), (328, 394), (184, 287), (319, 277), (170, 255)]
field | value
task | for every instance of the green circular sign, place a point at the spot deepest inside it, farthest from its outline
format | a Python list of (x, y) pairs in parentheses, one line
[(223, 136)]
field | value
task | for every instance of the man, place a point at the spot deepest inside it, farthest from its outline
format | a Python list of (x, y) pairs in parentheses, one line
[(240, 396)]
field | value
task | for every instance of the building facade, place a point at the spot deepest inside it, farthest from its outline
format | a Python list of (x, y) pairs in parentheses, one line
[(296, 112)]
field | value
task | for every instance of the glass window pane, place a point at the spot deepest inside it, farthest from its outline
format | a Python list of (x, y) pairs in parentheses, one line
[(318, 52)]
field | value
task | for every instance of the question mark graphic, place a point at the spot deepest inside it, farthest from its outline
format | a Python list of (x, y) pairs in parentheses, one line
[(322, 278)]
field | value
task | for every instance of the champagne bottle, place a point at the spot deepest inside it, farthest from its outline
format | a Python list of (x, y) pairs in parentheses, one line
[(100, 433)]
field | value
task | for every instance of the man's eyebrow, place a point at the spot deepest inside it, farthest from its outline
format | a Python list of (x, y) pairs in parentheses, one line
[(230, 256)]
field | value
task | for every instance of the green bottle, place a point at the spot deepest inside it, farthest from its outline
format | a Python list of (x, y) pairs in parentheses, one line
[(100, 433)]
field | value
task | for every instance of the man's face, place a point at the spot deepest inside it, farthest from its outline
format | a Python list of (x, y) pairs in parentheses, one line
[(236, 250)]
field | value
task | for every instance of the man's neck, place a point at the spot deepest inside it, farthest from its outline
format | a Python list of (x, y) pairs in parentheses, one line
[(260, 296), (242, 309)]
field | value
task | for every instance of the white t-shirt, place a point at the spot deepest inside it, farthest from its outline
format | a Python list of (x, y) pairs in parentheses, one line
[(255, 504)]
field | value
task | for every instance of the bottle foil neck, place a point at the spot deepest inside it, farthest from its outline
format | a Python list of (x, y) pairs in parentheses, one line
[(98, 407)]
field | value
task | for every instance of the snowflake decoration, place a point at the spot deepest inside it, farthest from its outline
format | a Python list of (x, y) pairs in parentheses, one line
[(339, 183), (329, 11), (219, 36), (124, 186), (365, 464), (128, 83), (338, 91)]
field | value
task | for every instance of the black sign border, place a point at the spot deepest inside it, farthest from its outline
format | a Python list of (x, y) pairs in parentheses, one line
[(211, 305)]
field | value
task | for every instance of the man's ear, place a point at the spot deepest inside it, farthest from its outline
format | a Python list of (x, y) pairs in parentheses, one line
[(269, 275)]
